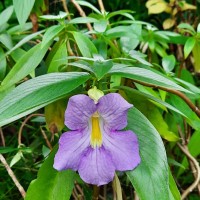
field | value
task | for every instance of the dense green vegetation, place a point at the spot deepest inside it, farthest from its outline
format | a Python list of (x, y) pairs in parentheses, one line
[(147, 51)]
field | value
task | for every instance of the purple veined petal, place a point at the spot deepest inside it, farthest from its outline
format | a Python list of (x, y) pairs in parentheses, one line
[(72, 146), (113, 110), (124, 149), (79, 109), (96, 167)]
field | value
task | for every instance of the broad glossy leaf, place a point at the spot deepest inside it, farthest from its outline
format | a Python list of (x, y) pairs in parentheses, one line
[(25, 65), (100, 68), (37, 93), (150, 97), (100, 26), (146, 76), (51, 184), (154, 116), (168, 63), (51, 32), (150, 178), (22, 9), (189, 45), (85, 45)]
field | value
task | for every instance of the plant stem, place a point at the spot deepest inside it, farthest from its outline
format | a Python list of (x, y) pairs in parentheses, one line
[(12, 175)]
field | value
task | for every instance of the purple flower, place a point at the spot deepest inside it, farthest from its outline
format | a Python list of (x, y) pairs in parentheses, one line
[(95, 146)]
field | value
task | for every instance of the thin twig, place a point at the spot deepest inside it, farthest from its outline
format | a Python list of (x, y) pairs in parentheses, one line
[(23, 124), (185, 150), (100, 2), (2, 137), (46, 138), (66, 9), (176, 92), (82, 13), (70, 52), (12, 175)]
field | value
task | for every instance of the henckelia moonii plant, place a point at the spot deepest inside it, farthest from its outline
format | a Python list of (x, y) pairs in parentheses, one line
[(96, 147)]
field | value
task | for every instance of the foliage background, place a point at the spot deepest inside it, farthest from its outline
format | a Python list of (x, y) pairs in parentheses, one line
[(152, 63)]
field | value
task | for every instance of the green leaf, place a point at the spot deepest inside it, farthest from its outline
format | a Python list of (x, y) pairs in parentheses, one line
[(83, 20), (189, 45), (16, 158), (6, 40), (150, 97), (7, 149), (100, 68), (100, 26), (59, 17), (196, 53), (175, 194), (2, 64), (5, 15), (168, 63), (187, 27), (23, 9), (154, 116), (119, 12), (37, 93), (146, 76), (59, 58), (51, 184), (192, 118), (25, 65), (152, 173), (85, 45), (139, 57), (54, 115), (51, 32), (89, 5), (24, 40)]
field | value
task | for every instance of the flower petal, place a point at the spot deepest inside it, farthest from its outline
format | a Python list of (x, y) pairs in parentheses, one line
[(72, 145), (79, 109), (113, 109), (124, 149), (96, 167)]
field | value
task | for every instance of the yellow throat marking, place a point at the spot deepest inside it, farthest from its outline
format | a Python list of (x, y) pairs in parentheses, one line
[(96, 135)]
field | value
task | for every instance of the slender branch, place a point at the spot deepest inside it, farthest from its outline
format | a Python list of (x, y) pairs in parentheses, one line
[(100, 2), (185, 150), (66, 9), (12, 175), (176, 92), (46, 138), (22, 126), (2, 137), (82, 13)]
